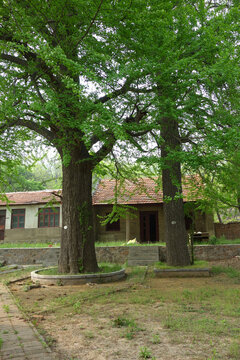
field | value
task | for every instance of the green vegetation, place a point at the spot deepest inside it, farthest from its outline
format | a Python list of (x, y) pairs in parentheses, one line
[(122, 243), (197, 264), (219, 241), (6, 308), (27, 245), (145, 353), (229, 271), (6, 278), (132, 327), (103, 268)]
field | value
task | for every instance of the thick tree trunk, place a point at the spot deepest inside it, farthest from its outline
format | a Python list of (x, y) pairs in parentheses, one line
[(77, 242), (175, 229)]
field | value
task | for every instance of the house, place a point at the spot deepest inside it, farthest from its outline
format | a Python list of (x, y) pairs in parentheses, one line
[(35, 216), (144, 219)]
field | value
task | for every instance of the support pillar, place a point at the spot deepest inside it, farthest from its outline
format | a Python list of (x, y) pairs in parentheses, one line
[(127, 227)]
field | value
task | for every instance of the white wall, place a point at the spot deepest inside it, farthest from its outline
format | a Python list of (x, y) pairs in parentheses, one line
[(31, 215)]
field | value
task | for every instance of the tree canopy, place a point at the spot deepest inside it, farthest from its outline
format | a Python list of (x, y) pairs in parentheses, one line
[(63, 78)]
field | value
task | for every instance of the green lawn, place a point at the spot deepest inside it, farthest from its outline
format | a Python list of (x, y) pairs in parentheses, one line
[(220, 241)]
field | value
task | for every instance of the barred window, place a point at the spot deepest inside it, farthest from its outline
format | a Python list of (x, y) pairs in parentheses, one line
[(48, 217), (18, 219)]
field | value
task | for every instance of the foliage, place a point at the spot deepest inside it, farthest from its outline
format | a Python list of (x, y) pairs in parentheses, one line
[(20, 179)]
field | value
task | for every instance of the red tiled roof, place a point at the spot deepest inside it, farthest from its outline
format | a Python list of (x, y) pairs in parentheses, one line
[(31, 197), (145, 191)]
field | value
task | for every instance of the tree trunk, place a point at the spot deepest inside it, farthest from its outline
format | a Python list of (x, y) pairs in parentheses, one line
[(175, 229), (77, 252)]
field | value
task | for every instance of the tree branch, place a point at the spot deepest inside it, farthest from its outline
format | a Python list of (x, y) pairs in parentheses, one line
[(14, 59), (105, 149), (115, 93), (91, 23), (30, 125)]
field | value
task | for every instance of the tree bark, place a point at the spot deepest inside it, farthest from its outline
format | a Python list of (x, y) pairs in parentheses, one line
[(175, 229), (77, 252)]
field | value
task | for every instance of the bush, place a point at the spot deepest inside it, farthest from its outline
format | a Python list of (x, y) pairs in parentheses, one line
[(213, 240)]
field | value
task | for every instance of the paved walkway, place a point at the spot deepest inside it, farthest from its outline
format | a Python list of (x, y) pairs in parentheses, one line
[(18, 340)]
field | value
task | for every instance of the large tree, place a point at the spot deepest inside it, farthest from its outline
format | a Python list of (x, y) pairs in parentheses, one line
[(189, 52), (63, 79)]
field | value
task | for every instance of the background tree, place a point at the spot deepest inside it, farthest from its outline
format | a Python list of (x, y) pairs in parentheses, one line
[(190, 55)]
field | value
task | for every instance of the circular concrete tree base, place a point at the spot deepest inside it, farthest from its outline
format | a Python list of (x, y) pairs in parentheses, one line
[(77, 279)]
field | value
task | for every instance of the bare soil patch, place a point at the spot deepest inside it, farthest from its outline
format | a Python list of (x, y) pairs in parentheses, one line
[(180, 319)]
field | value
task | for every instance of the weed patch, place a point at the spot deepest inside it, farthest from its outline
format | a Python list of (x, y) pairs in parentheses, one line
[(229, 271)]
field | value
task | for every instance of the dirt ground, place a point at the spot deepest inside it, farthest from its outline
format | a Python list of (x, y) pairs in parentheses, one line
[(79, 322)]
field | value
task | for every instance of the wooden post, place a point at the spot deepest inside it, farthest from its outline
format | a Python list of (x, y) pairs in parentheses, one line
[(127, 227)]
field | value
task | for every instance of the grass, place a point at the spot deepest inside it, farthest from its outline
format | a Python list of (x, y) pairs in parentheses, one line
[(230, 272), (27, 245), (5, 278), (197, 264), (103, 268), (123, 243), (219, 241)]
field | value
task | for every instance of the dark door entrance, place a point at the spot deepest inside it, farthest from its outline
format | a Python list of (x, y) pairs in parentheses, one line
[(2, 223), (149, 226)]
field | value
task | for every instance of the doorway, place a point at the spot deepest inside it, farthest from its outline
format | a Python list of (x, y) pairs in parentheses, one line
[(148, 226), (2, 223)]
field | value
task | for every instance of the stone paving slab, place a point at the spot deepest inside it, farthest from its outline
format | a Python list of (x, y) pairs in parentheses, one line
[(18, 339)]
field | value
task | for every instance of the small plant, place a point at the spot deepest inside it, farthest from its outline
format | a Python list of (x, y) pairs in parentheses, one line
[(1, 342), (6, 308), (129, 335), (89, 335), (59, 282), (77, 307), (156, 339), (132, 327), (121, 321), (145, 353)]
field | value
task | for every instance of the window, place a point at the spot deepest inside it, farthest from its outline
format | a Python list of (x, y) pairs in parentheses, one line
[(114, 226), (18, 219), (48, 217)]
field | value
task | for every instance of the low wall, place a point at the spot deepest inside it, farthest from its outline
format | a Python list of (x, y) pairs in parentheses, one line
[(40, 235), (115, 254), (230, 231)]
